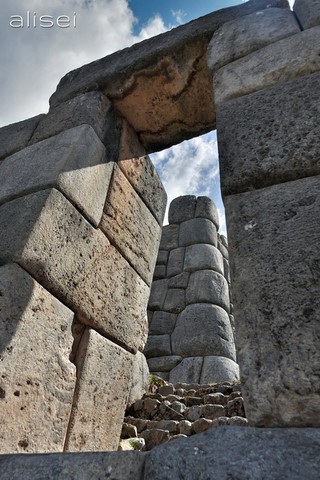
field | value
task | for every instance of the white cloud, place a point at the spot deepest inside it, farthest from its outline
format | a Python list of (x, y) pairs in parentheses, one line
[(178, 15)]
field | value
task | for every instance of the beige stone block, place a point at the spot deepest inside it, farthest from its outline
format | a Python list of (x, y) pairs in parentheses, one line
[(141, 173), (279, 62), (130, 226), (48, 237), (73, 162), (37, 378), (103, 381)]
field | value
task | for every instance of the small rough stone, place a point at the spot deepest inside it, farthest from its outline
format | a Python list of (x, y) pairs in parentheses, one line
[(128, 431), (155, 437), (185, 427), (201, 425), (212, 411), (194, 413)]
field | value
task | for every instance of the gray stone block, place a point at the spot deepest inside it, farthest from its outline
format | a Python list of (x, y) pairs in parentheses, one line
[(289, 58), (170, 237), (82, 466), (49, 238), (73, 162), (91, 108), (157, 346), (274, 235), (131, 227), (283, 143), (203, 257), (203, 329), (175, 262), (239, 452), (182, 208), (140, 378), (104, 374), (163, 364), (197, 230), (223, 250), (244, 35), (141, 173), (162, 257), (175, 300), (16, 136), (308, 12), (158, 294), (207, 286), (160, 272), (188, 371), (205, 208), (37, 377), (219, 369), (179, 281), (162, 323)]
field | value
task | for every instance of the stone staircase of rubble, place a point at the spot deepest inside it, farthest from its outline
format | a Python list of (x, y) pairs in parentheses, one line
[(169, 412)]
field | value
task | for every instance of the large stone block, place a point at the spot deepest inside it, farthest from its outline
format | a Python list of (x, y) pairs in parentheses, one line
[(274, 236), (217, 369), (104, 375), (239, 452), (163, 364), (270, 136), (279, 62), (197, 230), (207, 286), (162, 323), (140, 378), (74, 162), (159, 289), (175, 300), (175, 262), (170, 237), (308, 12), (130, 226), (187, 371), (157, 345), (37, 378), (48, 237), (213, 332), (206, 209), (182, 208), (16, 136), (141, 173), (91, 108), (244, 35), (203, 257)]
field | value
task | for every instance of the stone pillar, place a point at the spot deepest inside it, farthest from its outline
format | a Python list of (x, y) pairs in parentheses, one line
[(190, 336), (81, 209), (268, 110)]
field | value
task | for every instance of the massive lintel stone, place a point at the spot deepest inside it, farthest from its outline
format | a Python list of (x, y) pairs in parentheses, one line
[(162, 86), (37, 378), (73, 161), (16, 136), (47, 236), (274, 238)]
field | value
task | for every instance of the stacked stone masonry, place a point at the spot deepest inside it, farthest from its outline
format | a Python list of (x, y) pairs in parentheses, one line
[(74, 292), (190, 314)]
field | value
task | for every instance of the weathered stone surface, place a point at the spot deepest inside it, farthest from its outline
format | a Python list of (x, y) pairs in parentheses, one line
[(283, 143), (175, 300), (212, 412), (141, 173), (219, 369), (308, 12), (162, 322), (158, 294), (201, 425), (182, 208), (140, 378), (128, 431), (162, 258), (279, 62), (242, 453), (206, 209), (93, 465), (134, 443), (239, 37), (185, 427), (170, 237), (74, 162), (175, 262), (235, 407), (223, 250), (37, 378), (41, 229), (130, 226), (207, 286), (188, 371), (213, 332), (163, 364), (104, 374), (194, 413), (157, 345), (16, 136), (155, 437), (91, 108), (160, 272), (179, 281), (197, 230), (203, 257), (276, 295)]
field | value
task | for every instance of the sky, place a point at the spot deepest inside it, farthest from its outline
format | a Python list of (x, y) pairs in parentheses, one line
[(34, 59)]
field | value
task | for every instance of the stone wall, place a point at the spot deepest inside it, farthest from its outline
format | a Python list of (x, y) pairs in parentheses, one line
[(190, 334)]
